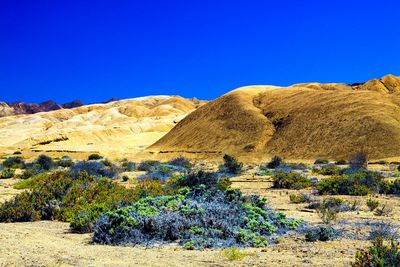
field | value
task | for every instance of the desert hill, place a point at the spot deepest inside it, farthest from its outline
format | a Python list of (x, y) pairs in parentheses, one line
[(115, 128), (303, 121)]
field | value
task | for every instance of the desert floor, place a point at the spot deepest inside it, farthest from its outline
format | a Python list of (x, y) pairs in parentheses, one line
[(47, 243)]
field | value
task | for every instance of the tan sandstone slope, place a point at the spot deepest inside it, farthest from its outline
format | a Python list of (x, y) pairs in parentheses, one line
[(302, 121), (114, 129)]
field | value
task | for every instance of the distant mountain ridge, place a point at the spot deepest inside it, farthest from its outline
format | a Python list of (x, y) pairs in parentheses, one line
[(19, 107)]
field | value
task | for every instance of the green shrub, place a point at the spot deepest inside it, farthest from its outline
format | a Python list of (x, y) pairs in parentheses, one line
[(125, 178), (359, 161), (275, 162), (378, 254), (300, 198), (78, 199), (94, 157), (322, 233), (45, 162), (327, 170), (358, 183), (321, 161), (7, 173), (65, 162), (290, 180), (14, 163), (327, 214), (231, 165), (372, 204), (147, 165)]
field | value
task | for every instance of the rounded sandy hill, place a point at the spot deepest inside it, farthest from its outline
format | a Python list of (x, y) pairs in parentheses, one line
[(114, 129), (303, 121)]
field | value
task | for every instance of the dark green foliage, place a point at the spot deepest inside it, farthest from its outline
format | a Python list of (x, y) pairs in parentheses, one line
[(128, 166), (323, 233), (341, 162), (45, 162), (65, 162), (358, 183), (275, 162), (95, 168), (125, 178), (31, 170), (7, 173), (17, 153), (379, 254), (291, 180), (14, 163), (181, 162), (147, 165), (231, 165), (327, 170), (321, 161), (94, 157)]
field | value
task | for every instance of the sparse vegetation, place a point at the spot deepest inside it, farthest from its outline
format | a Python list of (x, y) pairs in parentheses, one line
[(300, 198), (384, 210), (327, 214), (372, 204), (14, 163), (290, 180), (275, 162), (233, 254), (231, 165), (379, 254), (7, 173), (322, 233)]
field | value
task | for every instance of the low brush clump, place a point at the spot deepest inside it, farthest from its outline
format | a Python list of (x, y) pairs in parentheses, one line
[(379, 254), (75, 198), (205, 213), (290, 180), (357, 183)]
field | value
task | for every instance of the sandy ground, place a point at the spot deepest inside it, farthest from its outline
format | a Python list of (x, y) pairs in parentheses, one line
[(48, 243)]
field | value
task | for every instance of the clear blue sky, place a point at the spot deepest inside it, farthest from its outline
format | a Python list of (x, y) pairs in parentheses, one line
[(95, 50)]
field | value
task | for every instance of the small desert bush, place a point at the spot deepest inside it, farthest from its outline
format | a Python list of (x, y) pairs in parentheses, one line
[(322, 233), (335, 203), (327, 170), (7, 173), (372, 204), (14, 163), (125, 178), (290, 180), (181, 162), (94, 168), (379, 254), (327, 214), (300, 198), (321, 161), (275, 162), (384, 210), (233, 254), (147, 165), (45, 162), (65, 162), (231, 165), (128, 166), (94, 157)]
